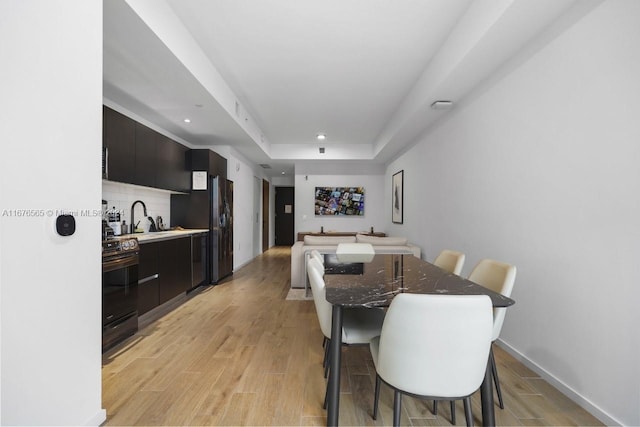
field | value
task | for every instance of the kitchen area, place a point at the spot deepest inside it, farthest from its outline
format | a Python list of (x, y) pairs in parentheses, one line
[(167, 224)]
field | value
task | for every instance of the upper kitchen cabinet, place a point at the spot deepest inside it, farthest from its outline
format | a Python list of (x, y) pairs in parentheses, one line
[(118, 135), (146, 164), (172, 171), (203, 159), (136, 154)]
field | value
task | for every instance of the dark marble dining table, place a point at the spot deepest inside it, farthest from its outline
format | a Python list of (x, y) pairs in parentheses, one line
[(374, 283)]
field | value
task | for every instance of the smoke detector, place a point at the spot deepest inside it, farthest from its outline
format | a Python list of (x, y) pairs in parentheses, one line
[(442, 105)]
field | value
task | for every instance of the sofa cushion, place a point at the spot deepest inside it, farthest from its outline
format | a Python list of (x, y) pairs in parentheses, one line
[(381, 241), (327, 240)]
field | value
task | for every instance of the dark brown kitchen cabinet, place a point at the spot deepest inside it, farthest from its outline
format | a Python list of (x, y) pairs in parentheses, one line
[(118, 136), (137, 154), (148, 278), (198, 259), (164, 272), (146, 165), (174, 267), (172, 173), (203, 159)]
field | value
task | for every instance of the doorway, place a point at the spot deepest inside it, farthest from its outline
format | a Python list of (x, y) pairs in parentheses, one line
[(265, 215), (284, 216), (257, 204)]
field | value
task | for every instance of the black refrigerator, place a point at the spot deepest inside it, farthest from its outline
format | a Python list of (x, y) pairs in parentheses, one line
[(221, 228), (210, 209)]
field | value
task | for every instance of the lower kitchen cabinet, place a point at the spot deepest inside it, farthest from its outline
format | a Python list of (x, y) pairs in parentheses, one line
[(174, 267), (198, 259), (164, 272), (148, 278), (148, 296)]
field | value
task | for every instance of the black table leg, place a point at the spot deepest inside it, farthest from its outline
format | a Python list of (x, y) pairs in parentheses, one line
[(486, 397), (334, 373)]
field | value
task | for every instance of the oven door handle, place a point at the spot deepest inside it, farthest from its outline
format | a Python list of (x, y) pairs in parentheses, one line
[(119, 263)]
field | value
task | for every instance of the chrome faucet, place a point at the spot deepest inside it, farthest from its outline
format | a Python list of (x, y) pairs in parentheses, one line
[(133, 223)]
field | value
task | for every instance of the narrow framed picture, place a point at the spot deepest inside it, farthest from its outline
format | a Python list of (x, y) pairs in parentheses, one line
[(199, 180), (397, 197)]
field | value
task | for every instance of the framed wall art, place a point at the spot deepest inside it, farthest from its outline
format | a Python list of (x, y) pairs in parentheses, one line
[(397, 197), (341, 201)]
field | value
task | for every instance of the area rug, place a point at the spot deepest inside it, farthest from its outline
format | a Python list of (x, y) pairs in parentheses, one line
[(298, 295)]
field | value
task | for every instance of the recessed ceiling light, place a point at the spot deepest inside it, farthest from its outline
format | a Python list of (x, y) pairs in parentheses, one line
[(282, 172), (321, 137), (187, 120)]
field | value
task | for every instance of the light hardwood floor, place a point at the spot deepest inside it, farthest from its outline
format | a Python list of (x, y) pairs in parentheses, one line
[(240, 354)]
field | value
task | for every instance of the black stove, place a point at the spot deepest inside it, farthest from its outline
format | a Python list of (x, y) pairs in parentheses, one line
[(119, 289), (119, 247)]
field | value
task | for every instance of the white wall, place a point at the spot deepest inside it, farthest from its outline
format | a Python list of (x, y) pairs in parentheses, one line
[(51, 127), (242, 172), (374, 209), (283, 181), (542, 171), (242, 210)]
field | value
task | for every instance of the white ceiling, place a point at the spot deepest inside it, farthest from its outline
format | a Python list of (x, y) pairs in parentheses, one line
[(265, 76)]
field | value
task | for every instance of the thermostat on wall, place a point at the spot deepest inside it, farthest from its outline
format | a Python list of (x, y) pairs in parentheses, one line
[(65, 225)]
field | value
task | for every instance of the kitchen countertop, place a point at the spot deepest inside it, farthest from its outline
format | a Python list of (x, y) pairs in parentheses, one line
[(165, 235)]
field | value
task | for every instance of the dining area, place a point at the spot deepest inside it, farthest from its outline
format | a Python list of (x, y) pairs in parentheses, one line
[(429, 330), (242, 353)]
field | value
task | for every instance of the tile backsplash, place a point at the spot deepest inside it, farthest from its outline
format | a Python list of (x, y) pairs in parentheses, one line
[(121, 196)]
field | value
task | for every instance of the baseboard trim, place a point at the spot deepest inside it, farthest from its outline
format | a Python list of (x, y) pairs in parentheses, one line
[(98, 418), (585, 403), (238, 267)]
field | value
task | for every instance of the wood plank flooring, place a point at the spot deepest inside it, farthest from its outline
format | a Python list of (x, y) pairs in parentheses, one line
[(240, 354)]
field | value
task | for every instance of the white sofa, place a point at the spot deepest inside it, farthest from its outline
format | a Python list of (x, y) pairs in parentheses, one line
[(381, 245)]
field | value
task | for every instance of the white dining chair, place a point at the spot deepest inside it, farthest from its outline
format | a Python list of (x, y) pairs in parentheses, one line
[(317, 255), (499, 277), (312, 254), (450, 364), (451, 261), (359, 325), (316, 261)]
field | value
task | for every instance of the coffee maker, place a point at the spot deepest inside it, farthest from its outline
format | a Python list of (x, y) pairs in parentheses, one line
[(112, 218), (107, 232)]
